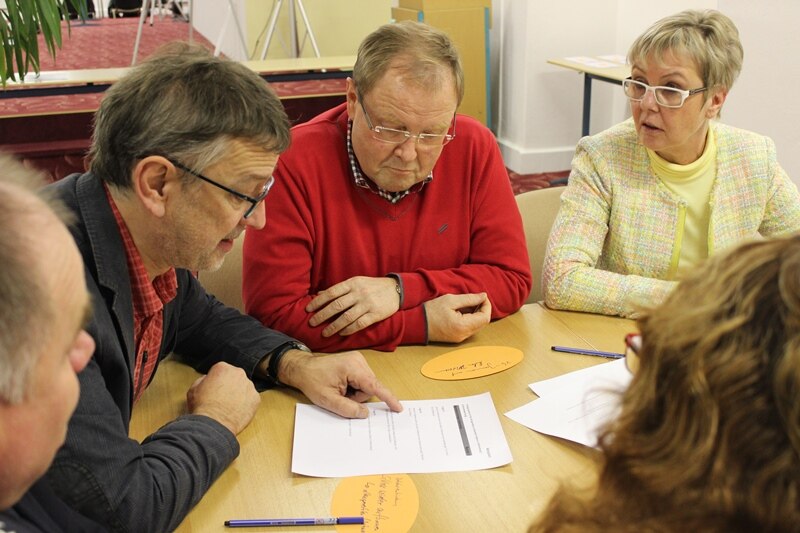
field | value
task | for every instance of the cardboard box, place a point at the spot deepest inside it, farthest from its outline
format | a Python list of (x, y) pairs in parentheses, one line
[(467, 28), (430, 5)]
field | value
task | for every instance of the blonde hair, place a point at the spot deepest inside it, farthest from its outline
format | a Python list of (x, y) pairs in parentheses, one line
[(708, 37), (709, 432)]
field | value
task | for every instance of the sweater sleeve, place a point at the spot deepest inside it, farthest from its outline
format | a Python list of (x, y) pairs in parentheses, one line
[(497, 261), (571, 279), (277, 272)]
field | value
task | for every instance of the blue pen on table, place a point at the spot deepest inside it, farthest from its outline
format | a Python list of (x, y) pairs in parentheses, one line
[(267, 522), (583, 351)]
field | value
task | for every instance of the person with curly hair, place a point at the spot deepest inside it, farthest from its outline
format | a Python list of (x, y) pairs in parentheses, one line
[(708, 437)]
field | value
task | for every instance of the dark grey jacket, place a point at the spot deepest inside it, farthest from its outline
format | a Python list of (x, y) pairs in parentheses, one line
[(102, 473), (40, 511)]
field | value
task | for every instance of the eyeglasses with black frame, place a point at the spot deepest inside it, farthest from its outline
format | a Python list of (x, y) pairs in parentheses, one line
[(671, 97), (633, 345), (393, 136), (254, 200)]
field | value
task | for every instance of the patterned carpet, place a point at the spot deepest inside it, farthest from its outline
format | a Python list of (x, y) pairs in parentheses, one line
[(109, 43), (106, 42), (52, 132)]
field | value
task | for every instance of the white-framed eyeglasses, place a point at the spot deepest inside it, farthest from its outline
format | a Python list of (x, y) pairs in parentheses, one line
[(393, 136), (665, 96)]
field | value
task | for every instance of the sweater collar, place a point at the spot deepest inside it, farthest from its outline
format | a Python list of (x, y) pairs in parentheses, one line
[(364, 182)]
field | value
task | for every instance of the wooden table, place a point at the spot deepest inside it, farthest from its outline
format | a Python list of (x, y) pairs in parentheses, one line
[(82, 81), (613, 73), (303, 68), (508, 498), (57, 82)]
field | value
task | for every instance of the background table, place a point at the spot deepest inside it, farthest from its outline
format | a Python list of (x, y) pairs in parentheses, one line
[(610, 74), (82, 81), (260, 482)]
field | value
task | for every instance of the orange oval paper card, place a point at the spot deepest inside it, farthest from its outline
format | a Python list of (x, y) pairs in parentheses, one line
[(475, 362), (389, 503)]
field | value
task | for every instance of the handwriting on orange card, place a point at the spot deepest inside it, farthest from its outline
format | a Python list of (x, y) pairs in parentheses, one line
[(389, 503), (475, 362)]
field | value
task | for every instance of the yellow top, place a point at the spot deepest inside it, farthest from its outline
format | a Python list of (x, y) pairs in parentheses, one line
[(692, 184)]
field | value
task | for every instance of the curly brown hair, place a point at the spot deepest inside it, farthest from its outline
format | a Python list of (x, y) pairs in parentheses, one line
[(708, 438)]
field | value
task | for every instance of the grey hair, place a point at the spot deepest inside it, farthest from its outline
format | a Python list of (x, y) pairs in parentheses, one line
[(187, 104), (26, 313), (425, 49)]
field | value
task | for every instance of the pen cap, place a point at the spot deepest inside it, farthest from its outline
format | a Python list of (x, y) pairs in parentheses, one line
[(350, 520)]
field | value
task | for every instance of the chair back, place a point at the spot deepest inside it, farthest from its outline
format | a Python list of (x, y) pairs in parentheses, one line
[(226, 283), (538, 209)]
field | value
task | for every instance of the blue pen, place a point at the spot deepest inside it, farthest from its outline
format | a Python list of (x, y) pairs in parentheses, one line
[(267, 522), (583, 351)]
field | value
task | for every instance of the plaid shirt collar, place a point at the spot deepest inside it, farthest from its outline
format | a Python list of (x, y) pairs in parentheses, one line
[(365, 183), (148, 298)]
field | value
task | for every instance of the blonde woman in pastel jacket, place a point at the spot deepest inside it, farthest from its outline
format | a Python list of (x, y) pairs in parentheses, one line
[(649, 199)]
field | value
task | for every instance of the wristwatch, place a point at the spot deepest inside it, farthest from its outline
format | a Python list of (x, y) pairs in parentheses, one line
[(277, 355), (398, 286)]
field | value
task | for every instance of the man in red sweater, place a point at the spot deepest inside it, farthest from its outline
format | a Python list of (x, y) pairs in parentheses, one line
[(392, 220)]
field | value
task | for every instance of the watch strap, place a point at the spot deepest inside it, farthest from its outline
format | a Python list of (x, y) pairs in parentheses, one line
[(277, 355)]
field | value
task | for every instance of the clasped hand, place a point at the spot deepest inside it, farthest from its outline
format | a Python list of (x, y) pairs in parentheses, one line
[(226, 395), (456, 317), (359, 302)]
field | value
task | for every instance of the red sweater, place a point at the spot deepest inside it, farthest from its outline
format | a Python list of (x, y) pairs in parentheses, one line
[(462, 233)]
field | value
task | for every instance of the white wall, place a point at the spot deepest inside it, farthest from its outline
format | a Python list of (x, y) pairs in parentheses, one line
[(214, 20), (765, 97), (539, 106)]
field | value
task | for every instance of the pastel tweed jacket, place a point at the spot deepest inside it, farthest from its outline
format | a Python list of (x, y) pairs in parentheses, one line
[(616, 240)]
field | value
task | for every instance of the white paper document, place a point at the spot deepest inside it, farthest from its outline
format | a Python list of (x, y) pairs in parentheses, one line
[(615, 58), (612, 374), (592, 62), (578, 405), (428, 436)]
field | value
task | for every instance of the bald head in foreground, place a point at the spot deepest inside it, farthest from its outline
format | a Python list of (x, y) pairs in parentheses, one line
[(44, 307)]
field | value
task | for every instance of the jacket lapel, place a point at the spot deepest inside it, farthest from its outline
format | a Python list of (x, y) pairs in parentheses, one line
[(108, 252)]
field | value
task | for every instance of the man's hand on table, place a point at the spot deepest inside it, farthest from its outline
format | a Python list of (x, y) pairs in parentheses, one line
[(226, 395), (456, 317), (359, 301), (336, 382)]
